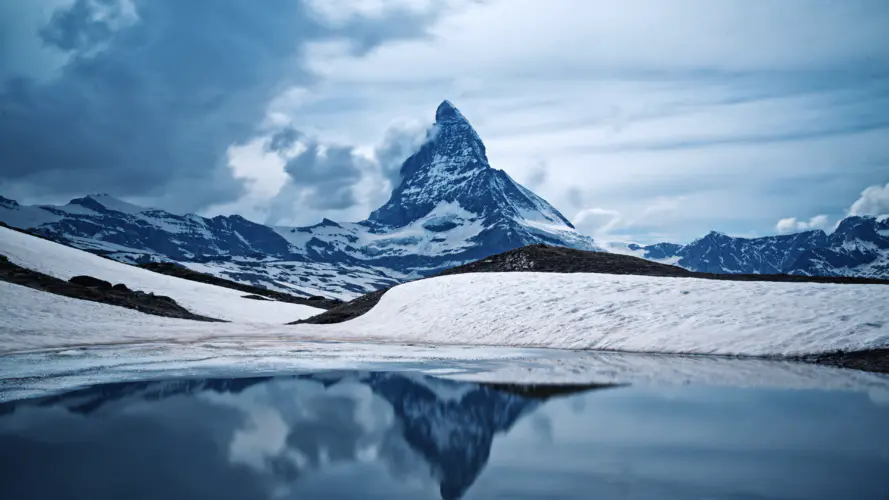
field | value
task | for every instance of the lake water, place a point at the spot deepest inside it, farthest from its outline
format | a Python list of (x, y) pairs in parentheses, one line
[(406, 435)]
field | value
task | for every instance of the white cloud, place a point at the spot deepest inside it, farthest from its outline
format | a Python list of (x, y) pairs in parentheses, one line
[(710, 103), (873, 201), (792, 225), (596, 221)]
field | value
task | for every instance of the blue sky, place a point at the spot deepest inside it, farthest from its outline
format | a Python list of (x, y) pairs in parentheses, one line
[(643, 120)]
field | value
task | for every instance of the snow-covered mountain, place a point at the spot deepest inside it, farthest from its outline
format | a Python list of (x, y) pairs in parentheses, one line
[(229, 247), (859, 246), (450, 208)]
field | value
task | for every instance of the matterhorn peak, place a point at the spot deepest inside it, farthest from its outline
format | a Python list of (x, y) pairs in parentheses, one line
[(449, 183), (447, 112)]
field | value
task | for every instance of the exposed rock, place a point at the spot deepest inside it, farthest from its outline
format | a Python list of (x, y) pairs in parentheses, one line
[(873, 360), (90, 282), (255, 297), (346, 311), (183, 272), (96, 290)]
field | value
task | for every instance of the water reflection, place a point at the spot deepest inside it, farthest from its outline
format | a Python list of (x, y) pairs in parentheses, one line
[(386, 435)]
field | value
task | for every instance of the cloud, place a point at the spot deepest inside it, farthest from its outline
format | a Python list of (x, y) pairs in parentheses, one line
[(749, 112), (150, 95), (611, 226), (596, 221), (400, 142), (88, 25), (873, 201), (326, 176), (792, 225), (538, 175), (320, 176)]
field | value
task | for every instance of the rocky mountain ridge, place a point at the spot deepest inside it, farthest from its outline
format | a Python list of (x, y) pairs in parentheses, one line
[(859, 246)]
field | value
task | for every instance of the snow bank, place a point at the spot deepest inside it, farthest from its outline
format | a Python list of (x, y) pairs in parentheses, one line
[(630, 313), (572, 311), (200, 298), (33, 319)]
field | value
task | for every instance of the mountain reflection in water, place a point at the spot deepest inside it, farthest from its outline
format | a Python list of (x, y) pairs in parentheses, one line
[(388, 435)]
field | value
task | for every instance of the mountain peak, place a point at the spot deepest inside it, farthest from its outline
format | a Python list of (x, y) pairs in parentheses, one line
[(103, 201), (447, 112)]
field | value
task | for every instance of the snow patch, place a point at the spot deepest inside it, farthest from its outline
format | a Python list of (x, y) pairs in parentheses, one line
[(222, 303)]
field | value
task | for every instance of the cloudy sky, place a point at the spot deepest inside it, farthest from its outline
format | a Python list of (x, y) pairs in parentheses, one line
[(640, 120)]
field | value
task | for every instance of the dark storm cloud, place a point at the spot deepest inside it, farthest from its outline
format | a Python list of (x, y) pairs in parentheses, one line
[(319, 176), (86, 24), (327, 175), (154, 92), (398, 144), (282, 140)]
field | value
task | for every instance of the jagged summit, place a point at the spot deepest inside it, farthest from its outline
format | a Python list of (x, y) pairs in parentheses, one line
[(447, 112), (453, 168)]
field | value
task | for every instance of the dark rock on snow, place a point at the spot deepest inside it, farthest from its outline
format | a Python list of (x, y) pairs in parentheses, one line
[(183, 272), (96, 290), (90, 282)]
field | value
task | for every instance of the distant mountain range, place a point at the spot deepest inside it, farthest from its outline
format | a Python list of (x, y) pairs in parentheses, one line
[(859, 246), (450, 208)]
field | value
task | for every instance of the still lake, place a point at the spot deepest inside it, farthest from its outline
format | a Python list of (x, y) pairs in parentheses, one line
[(379, 434)]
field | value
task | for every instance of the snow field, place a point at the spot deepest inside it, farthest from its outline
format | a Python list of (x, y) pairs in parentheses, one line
[(631, 313), (208, 300)]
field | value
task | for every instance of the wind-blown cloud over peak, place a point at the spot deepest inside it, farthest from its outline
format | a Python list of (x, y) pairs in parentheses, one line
[(792, 225), (873, 201)]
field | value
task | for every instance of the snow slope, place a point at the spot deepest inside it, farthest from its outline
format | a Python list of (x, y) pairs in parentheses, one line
[(575, 311), (630, 313), (572, 311), (33, 319), (208, 300)]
